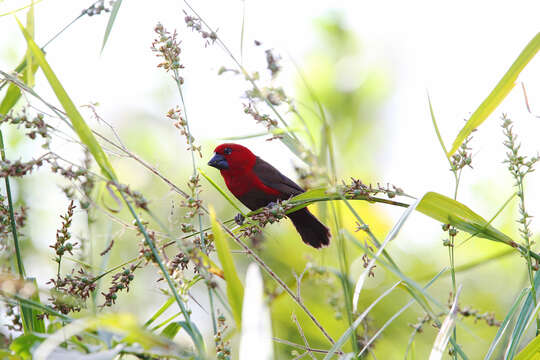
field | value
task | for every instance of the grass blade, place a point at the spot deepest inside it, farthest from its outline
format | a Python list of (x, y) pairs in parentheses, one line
[(497, 95), (449, 211), (504, 325), (339, 343), (79, 125), (160, 311), (400, 311), (441, 341), (110, 23), (256, 337), (391, 235), (524, 315), (235, 290)]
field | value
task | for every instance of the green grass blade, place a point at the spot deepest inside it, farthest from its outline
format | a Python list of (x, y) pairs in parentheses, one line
[(160, 311), (531, 351), (345, 336), (391, 235), (221, 191), (79, 125), (504, 325), (522, 320), (439, 137), (398, 313), (38, 323), (110, 23), (30, 81), (276, 131), (235, 290), (497, 95), (449, 211)]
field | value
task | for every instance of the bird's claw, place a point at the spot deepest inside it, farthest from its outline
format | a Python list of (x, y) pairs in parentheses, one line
[(239, 219), (270, 205)]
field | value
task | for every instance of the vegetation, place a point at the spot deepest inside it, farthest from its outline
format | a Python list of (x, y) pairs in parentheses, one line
[(200, 284)]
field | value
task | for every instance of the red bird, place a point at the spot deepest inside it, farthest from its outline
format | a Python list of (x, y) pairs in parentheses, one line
[(256, 183)]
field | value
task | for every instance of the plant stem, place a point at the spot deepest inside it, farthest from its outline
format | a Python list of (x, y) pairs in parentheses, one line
[(194, 333), (20, 265)]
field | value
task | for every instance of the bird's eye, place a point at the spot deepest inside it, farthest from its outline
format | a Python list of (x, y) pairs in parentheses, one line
[(227, 151)]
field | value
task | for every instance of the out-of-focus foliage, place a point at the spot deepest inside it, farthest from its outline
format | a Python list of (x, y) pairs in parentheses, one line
[(339, 85)]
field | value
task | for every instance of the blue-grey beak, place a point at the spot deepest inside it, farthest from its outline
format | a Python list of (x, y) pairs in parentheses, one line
[(219, 162)]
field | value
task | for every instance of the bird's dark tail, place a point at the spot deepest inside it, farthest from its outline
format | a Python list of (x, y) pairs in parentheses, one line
[(312, 231)]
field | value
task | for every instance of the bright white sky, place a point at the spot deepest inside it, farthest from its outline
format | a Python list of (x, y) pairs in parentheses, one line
[(455, 50)]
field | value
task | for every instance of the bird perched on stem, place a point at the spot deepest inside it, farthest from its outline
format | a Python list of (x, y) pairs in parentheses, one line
[(256, 183)]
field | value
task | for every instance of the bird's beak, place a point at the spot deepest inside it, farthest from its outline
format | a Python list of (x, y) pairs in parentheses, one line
[(219, 162)]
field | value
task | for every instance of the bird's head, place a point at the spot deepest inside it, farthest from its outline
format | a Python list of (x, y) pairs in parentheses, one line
[(232, 157)]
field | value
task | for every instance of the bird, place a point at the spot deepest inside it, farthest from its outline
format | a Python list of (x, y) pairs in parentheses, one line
[(257, 184)]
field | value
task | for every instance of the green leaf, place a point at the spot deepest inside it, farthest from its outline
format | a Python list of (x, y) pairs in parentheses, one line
[(26, 66), (497, 95), (171, 330), (23, 345), (522, 320), (531, 351), (110, 23), (449, 211), (504, 325), (29, 62), (161, 310), (38, 323), (344, 337), (79, 125), (235, 290)]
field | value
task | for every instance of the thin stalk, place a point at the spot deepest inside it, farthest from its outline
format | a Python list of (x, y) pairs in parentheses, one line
[(525, 232), (20, 265), (274, 276), (193, 330), (195, 193)]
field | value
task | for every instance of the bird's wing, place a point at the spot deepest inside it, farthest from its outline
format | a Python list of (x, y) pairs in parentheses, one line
[(272, 178)]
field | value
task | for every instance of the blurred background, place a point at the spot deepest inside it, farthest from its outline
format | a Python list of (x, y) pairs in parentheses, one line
[(372, 65)]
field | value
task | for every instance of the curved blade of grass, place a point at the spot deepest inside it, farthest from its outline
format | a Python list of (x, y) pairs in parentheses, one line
[(235, 290), (38, 323), (400, 311), (29, 62), (391, 235), (160, 311), (441, 341), (437, 132), (522, 320), (504, 325), (497, 95), (531, 351), (256, 337), (110, 23), (345, 336), (449, 211), (221, 191), (34, 2), (276, 131), (79, 125), (415, 290)]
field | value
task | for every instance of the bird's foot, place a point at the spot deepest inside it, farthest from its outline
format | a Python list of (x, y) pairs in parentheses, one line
[(270, 205), (239, 219)]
